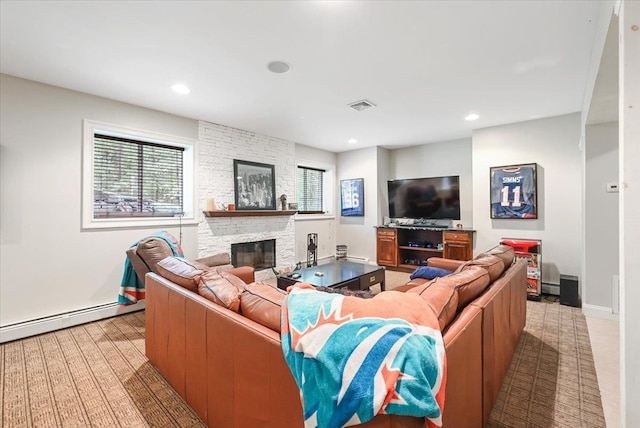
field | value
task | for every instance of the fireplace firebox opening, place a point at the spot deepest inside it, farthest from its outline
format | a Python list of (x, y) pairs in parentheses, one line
[(258, 254)]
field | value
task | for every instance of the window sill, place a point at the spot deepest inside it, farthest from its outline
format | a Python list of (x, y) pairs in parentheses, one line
[(248, 213), (308, 217), (130, 223)]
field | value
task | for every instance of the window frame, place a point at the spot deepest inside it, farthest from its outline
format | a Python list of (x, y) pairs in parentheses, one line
[(90, 128), (328, 190)]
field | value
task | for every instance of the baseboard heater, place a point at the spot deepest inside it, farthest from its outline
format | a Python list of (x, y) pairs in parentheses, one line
[(327, 259), (63, 320), (553, 289), (358, 259)]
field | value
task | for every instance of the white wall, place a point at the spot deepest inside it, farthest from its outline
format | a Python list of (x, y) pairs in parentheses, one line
[(358, 233), (629, 212), (552, 143), (324, 226), (48, 265), (384, 163), (601, 214), (438, 160)]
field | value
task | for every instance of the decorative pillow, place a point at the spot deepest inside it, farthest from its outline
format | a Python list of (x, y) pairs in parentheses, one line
[(493, 265), (442, 298), (262, 303), (469, 284), (180, 271), (428, 272), (224, 289)]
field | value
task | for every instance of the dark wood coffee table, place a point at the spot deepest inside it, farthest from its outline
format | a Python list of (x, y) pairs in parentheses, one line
[(337, 274)]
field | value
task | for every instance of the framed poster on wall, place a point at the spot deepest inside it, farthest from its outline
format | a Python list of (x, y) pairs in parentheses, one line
[(514, 191), (255, 185), (352, 197)]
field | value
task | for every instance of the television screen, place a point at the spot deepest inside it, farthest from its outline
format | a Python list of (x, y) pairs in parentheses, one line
[(428, 198)]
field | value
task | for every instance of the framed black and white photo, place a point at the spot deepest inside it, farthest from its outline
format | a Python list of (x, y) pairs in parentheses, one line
[(254, 185), (514, 191), (352, 197)]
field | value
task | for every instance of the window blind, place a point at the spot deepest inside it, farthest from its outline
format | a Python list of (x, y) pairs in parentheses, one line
[(310, 196), (136, 178)]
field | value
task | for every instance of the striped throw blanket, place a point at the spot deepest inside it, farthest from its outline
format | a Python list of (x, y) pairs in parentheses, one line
[(131, 288), (356, 358)]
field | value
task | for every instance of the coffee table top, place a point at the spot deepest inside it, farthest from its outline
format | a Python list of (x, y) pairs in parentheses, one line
[(334, 273)]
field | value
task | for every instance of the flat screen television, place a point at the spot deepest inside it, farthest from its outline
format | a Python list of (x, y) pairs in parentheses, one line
[(425, 198)]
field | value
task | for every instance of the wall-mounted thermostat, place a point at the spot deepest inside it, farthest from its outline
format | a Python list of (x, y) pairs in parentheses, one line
[(613, 188)]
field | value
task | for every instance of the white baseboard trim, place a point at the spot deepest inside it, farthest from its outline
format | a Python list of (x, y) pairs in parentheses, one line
[(599, 312), (69, 319)]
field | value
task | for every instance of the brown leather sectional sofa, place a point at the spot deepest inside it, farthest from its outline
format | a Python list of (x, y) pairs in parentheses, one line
[(220, 356)]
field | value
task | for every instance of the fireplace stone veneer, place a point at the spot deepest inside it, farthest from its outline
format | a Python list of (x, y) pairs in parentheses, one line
[(218, 146)]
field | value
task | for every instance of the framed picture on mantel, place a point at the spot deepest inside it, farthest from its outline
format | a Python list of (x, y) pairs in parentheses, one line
[(255, 185)]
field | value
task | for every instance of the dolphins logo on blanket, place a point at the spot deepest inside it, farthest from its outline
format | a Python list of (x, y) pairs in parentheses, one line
[(355, 358)]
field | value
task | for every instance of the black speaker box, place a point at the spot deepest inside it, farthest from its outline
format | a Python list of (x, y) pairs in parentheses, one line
[(569, 291)]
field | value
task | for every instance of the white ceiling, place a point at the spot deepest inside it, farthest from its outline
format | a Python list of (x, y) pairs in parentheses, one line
[(426, 65)]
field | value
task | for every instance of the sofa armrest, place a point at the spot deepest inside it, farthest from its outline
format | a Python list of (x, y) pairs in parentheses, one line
[(245, 273), (139, 266), (448, 264), (215, 260)]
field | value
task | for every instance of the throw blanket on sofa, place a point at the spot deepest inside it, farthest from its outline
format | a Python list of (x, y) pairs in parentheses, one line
[(131, 288), (355, 358)]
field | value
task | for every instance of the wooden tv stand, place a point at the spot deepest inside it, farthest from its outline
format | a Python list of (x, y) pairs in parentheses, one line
[(406, 247)]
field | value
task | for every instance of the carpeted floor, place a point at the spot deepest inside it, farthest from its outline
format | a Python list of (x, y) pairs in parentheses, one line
[(97, 375)]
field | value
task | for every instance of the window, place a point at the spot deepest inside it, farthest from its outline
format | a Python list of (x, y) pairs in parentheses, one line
[(136, 178), (310, 190)]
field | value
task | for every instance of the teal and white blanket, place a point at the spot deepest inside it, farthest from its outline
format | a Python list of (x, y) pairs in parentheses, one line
[(356, 358)]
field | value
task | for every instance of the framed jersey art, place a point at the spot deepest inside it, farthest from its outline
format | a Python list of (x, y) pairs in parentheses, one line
[(513, 191), (352, 197)]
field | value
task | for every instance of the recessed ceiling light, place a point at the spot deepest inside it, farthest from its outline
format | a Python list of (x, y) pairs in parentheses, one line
[(278, 67), (472, 116), (352, 141), (181, 89)]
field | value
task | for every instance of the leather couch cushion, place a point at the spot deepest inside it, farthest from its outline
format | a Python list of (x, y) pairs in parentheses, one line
[(262, 303), (222, 288), (442, 298), (404, 288), (493, 265), (183, 272), (505, 252), (152, 250), (470, 283), (221, 268)]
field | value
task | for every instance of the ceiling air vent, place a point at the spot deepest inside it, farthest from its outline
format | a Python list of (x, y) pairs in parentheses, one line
[(361, 105)]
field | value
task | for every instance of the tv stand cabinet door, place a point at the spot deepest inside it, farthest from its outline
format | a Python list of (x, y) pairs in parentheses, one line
[(387, 247), (458, 245)]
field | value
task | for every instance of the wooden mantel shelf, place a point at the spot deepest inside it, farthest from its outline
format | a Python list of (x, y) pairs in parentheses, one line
[(247, 213)]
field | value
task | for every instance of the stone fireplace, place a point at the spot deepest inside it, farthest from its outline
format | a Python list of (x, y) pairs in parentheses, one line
[(258, 254), (218, 147)]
